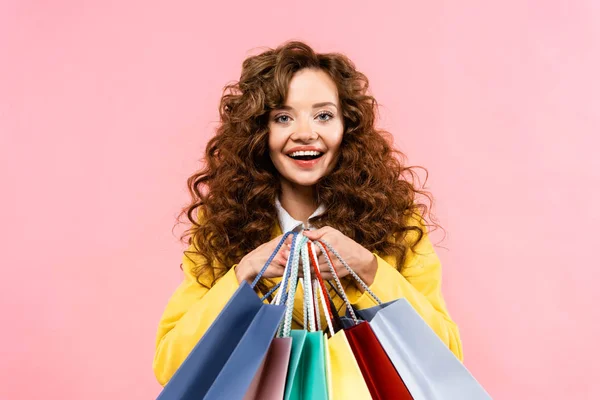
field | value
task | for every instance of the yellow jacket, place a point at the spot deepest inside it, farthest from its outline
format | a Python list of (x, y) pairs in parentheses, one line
[(193, 308)]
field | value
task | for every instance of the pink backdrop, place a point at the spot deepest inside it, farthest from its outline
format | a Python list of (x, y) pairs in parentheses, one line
[(104, 110)]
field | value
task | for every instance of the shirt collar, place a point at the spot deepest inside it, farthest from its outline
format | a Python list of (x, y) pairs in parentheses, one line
[(288, 223)]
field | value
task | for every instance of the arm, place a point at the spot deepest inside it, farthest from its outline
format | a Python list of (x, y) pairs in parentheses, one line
[(189, 313), (420, 283)]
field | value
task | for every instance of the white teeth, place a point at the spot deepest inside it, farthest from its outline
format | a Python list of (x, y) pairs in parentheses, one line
[(305, 153)]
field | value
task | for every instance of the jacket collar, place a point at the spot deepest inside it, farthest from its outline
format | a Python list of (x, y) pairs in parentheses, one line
[(288, 223)]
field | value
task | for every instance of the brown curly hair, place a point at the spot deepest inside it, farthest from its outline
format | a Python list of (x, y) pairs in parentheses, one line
[(368, 196)]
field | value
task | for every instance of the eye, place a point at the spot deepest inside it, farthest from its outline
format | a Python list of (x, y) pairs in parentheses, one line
[(282, 119), (324, 116)]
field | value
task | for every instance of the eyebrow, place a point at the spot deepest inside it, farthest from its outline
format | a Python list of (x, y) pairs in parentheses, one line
[(316, 105)]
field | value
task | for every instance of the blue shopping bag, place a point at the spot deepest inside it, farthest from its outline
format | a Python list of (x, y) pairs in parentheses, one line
[(229, 354)]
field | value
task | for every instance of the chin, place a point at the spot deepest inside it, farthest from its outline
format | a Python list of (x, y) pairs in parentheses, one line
[(303, 182)]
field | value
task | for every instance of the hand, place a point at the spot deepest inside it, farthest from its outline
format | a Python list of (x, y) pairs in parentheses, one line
[(361, 260), (251, 264)]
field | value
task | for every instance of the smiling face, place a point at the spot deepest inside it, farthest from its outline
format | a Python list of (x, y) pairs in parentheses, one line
[(306, 133)]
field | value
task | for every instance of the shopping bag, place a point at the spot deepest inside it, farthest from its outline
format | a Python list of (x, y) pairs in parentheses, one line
[(233, 346), (379, 373), (328, 368), (429, 369), (345, 380), (225, 360), (346, 377), (381, 377), (269, 382), (306, 378)]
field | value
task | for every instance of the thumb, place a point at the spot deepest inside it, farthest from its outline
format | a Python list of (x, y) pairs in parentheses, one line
[(314, 235)]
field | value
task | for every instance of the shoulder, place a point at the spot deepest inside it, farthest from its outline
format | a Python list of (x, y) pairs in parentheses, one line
[(415, 242), (417, 228), (194, 264)]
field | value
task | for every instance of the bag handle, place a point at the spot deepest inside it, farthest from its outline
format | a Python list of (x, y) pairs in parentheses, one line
[(317, 310), (325, 299), (264, 268), (309, 304), (357, 278), (337, 282), (311, 292), (288, 298), (285, 278), (286, 274)]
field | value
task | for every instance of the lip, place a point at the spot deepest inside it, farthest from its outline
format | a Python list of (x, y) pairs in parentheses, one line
[(306, 164), (303, 148)]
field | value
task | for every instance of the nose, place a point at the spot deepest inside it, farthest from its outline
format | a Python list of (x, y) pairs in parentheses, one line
[(304, 131)]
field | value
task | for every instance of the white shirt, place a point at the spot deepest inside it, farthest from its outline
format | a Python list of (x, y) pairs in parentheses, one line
[(288, 223)]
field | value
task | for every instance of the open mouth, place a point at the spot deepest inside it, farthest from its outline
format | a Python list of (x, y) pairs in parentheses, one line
[(305, 155)]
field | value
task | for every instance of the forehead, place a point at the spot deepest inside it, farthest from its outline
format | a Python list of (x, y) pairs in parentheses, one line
[(310, 86)]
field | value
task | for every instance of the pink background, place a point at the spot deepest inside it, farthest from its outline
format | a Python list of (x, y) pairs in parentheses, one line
[(105, 108)]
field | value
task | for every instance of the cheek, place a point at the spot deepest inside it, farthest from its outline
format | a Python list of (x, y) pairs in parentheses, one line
[(334, 139), (276, 141)]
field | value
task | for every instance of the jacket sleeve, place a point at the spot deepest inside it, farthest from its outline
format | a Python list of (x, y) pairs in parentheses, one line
[(190, 311), (420, 282)]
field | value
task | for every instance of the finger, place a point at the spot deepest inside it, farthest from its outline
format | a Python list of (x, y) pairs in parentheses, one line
[(324, 269), (279, 261), (326, 276), (282, 258), (323, 261), (272, 244), (284, 252), (325, 253), (317, 249), (287, 244), (317, 234), (287, 241), (341, 273), (275, 272)]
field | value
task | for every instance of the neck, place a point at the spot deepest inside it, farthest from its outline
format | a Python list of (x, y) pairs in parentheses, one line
[(299, 201)]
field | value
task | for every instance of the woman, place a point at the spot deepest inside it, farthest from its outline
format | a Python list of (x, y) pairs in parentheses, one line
[(297, 149)]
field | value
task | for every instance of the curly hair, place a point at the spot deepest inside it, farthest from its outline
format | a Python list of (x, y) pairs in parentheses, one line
[(369, 196)]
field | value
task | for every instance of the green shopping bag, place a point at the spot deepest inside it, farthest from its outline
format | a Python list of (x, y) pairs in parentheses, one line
[(306, 380)]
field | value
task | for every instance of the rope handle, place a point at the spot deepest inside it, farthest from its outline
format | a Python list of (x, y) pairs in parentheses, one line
[(337, 282), (309, 304), (322, 290), (286, 273), (350, 270), (288, 298), (318, 304), (318, 274), (285, 276), (264, 268)]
